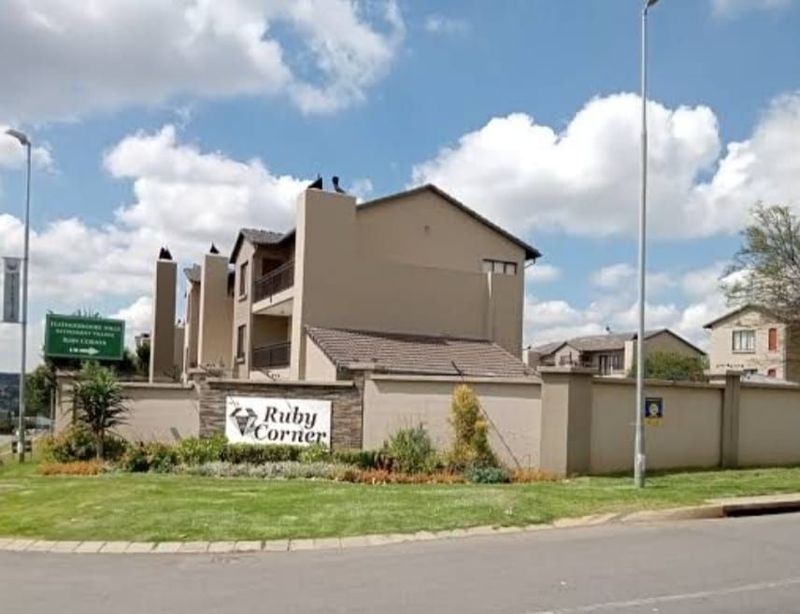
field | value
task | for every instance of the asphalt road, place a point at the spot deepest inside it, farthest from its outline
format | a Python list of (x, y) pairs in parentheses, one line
[(732, 565)]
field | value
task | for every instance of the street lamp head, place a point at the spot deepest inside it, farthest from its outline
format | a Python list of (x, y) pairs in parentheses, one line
[(20, 136), (650, 3)]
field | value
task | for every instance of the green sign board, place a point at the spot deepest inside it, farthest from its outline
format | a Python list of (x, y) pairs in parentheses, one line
[(81, 337)]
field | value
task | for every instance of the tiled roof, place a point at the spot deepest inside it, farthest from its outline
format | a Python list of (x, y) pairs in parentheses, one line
[(417, 354), (261, 237), (595, 343), (547, 348), (193, 273)]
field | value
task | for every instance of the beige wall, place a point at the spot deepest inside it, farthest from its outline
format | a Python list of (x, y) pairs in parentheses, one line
[(567, 354), (769, 428), (214, 344), (319, 368), (242, 311), (162, 340), (689, 435), (394, 402), (722, 357), (192, 325)]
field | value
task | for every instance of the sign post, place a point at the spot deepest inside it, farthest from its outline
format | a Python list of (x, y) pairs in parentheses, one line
[(12, 268), (82, 337)]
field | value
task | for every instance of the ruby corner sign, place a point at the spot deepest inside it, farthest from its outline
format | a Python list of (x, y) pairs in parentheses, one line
[(81, 337)]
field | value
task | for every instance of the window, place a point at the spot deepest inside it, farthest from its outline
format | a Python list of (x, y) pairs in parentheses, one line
[(243, 279), (773, 339), (744, 341), (609, 363), (241, 334), (499, 267), (772, 373)]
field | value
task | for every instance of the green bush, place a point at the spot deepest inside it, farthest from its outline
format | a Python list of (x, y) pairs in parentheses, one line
[(363, 459), (78, 444), (258, 455), (471, 432), (153, 456), (478, 474), (199, 450), (411, 450), (315, 453)]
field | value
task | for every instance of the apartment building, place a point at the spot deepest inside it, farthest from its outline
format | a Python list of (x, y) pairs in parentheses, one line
[(753, 340), (411, 282), (612, 354)]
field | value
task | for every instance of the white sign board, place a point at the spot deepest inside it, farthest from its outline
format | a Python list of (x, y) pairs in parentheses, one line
[(271, 421), (12, 268)]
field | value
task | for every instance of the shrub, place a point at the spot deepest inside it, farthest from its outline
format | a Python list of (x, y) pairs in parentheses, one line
[(77, 444), (471, 440), (287, 470), (92, 467), (411, 450), (315, 453), (153, 456), (486, 474), (199, 450), (529, 476), (363, 459), (258, 455), (99, 402)]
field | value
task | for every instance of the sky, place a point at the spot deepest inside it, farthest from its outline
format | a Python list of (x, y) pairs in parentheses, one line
[(175, 123)]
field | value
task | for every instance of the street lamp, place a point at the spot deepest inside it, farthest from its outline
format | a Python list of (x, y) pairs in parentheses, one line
[(25, 142), (639, 460)]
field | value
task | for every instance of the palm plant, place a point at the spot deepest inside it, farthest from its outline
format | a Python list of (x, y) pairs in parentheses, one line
[(99, 402)]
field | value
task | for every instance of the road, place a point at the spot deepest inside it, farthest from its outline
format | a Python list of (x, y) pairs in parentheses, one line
[(732, 565)]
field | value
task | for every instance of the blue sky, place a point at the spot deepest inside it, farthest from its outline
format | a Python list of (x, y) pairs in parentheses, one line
[(524, 109)]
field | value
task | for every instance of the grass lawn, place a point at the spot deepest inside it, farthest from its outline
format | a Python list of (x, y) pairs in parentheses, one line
[(170, 507)]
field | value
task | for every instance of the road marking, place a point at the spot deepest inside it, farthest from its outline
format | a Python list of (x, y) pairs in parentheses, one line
[(621, 605)]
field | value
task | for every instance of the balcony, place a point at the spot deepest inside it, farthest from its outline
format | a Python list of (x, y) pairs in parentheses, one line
[(273, 294), (273, 356)]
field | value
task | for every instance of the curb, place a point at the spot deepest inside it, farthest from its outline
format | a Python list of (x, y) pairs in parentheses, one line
[(716, 509)]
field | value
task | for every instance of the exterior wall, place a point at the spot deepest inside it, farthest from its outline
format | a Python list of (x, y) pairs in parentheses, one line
[(769, 429), (566, 355), (162, 341), (192, 325), (722, 357), (180, 342), (319, 368), (242, 311), (662, 342), (343, 280), (346, 411), (214, 345), (514, 409), (689, 435)]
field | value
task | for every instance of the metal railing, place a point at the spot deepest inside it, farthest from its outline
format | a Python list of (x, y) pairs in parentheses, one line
[(274, 281), (273, 356)]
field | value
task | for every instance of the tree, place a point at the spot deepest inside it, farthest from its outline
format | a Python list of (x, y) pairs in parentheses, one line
[(672, 366), (40, 386), (99, 402), (471, 432), (767, 266), (143, 358)]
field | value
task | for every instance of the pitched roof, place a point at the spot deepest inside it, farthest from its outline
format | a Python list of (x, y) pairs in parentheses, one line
[(193, 273), (607, 343), (419, 354), (257, 236), (736, 312), (531, 253)]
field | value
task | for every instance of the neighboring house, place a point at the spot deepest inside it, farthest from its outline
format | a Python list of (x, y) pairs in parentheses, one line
[(753, 340), (612, 354), (430, 284)]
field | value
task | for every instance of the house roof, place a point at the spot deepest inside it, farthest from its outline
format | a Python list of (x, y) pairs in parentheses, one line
[(417, 354), (607, 343), (531, 253), (259, 236), (736, 312), (193, 273)]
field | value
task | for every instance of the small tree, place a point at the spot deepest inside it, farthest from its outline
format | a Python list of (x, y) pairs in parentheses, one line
[(471, 432), (672, 366), (768, 263), (99, 402), (143, 358)]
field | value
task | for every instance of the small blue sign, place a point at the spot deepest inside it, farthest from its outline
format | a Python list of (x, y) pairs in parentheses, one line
[(654, 408)]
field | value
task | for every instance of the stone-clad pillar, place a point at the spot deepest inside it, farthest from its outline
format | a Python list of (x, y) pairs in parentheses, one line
[(162, 339)]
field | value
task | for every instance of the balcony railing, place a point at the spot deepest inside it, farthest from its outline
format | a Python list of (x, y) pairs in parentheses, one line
[(274, 356), (274, 281)]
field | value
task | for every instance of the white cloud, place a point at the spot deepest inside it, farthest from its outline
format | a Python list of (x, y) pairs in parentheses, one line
[(12, 153), (63, 58), (542, 273), (138, 318), (443, 25), (584, 180), (734, 7), (613, 276)]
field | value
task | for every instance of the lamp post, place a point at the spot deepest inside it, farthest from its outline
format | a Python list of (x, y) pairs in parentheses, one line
[(25, 142), (639, 460)]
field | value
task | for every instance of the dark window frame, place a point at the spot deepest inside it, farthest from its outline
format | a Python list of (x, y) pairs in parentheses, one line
[(244, 269)]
